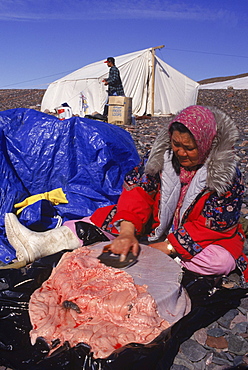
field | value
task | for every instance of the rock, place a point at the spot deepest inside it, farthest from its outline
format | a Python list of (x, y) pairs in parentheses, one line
[(217, 342), (244, 335), (229, 356), (193, 350), (177, 367), (222, 359), (245, 359), (244, 211), (182, 361), (215, 332), (237, 345), (240, 327), (201, 365), (227, 318), (209, 358), (221, 367), (244, 143), (244, 303), (237, 319), (238, 360), (201, 336)]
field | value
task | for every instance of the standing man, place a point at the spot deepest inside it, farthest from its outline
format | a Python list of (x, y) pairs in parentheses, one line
[(113, 82)]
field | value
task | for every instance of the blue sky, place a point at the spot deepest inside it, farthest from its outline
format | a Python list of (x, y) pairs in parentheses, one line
[(43, 40)]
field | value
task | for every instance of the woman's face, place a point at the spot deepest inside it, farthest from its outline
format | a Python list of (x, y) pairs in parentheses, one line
[(185, 149)]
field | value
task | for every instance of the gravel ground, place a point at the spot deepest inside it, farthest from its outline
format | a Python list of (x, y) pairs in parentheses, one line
[(224, 343)]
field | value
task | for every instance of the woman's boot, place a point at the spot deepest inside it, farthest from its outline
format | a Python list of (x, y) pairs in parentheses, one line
[(31, 245)]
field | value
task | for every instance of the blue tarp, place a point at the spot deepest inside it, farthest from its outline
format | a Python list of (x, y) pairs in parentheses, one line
[(86, 158)]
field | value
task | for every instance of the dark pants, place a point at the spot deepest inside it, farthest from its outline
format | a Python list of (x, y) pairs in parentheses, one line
[(105, 111)]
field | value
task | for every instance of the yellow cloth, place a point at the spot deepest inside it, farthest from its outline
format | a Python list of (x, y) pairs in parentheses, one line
[(55, 196)]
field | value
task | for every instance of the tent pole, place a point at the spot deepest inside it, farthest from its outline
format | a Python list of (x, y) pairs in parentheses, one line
[(153, 76)]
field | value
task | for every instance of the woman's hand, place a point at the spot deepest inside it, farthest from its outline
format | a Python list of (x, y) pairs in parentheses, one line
[(165, 247), (125, 241)]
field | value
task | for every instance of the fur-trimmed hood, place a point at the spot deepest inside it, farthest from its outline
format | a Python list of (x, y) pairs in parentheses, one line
[(221, 162)]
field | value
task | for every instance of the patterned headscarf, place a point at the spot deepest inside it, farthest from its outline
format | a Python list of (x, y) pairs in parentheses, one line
[(202, 124)]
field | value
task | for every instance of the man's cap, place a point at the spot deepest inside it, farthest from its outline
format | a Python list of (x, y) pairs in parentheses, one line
[(110, 59)]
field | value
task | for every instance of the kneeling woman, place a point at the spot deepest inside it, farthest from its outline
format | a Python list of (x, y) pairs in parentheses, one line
[(186, 196)]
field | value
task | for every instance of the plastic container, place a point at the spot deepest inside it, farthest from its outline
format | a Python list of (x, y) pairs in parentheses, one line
[(64, 112)]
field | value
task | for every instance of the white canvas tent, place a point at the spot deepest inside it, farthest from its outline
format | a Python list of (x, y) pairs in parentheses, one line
[(235, 83), (155, 87)]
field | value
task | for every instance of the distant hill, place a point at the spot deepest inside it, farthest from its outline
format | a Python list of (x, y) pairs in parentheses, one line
[(220, 79)]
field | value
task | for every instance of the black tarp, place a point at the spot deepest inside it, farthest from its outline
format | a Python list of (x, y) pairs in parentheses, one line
[(16, 351)]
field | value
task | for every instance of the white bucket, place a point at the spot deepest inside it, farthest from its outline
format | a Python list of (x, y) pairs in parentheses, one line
[(64, 112)]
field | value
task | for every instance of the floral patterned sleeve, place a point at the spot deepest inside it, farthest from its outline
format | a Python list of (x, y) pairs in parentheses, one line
[(137, 177), (223, 212)]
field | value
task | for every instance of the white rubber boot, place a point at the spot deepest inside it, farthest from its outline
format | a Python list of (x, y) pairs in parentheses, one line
[(31, 245)]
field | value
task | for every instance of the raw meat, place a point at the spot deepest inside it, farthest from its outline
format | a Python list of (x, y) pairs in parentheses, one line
[(86, 301)]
